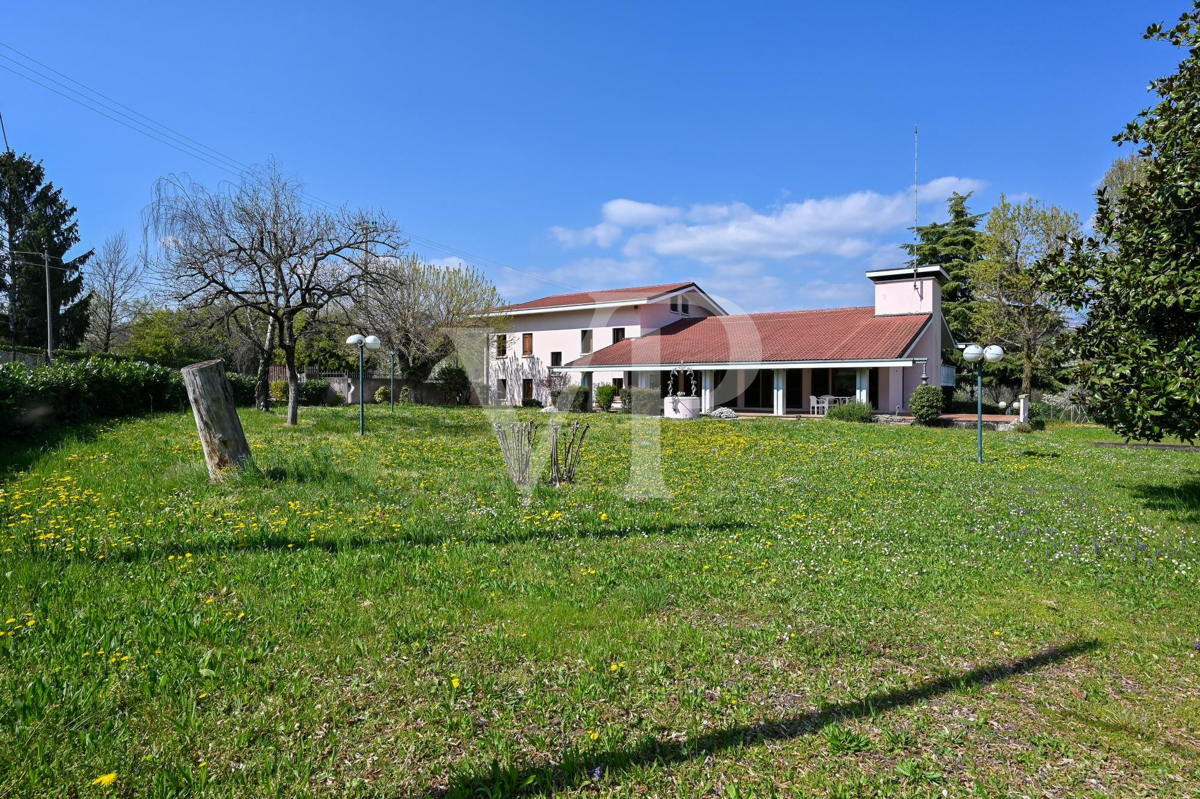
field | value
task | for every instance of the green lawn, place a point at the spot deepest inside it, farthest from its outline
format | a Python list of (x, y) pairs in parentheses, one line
[(819, 608)]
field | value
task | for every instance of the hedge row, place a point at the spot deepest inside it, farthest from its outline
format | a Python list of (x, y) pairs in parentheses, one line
[(75, 355), (98, 388), (74, 391)]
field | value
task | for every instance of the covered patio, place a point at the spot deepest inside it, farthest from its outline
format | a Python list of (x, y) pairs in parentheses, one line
[(787, 390)]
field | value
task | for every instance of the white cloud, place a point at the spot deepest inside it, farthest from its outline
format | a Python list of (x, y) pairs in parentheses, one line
[(631, 213), (603, 235), (451, 262), (841, 226), (845, 226)]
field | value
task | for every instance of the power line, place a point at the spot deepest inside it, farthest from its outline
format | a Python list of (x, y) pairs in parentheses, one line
[(179, 141)]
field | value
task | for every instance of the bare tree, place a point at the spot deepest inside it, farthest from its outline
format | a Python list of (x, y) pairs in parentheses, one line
[(412, 305), (115, 280), (259, 333), (260, 246)]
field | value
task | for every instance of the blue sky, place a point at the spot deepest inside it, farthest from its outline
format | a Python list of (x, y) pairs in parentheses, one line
[(765, 150)]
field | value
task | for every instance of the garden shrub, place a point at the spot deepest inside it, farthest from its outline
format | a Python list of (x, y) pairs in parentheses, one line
[(852, 412), (605, 396), (383, 394), (314, 392), (455, 383), (580, 399), (626, 401), (311, 392), (73, 391), (531, 403), (243, 388), (926, 404), (645, 401)]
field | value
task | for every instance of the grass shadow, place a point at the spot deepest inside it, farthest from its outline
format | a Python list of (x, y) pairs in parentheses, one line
[(22, 453), (268, 542), (580, 767), (1180, 502)]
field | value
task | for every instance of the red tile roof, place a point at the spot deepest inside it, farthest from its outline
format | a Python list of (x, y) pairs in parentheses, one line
[(838, 334), (607, 295)]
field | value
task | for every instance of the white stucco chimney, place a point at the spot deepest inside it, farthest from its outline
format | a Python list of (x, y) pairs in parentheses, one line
[(897, 292)]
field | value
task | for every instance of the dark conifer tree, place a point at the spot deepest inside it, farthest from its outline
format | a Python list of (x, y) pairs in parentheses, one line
[(36, 219)]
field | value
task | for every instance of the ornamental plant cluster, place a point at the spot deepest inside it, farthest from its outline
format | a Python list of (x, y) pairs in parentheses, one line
[(861, 412)]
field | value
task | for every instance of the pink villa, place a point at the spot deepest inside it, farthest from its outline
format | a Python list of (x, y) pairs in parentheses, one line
[(778, 363)]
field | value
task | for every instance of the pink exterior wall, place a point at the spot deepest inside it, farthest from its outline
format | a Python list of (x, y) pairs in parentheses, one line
[(559, 331), (899, 297)]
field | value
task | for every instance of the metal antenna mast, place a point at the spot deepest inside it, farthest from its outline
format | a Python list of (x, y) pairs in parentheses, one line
[(916, 184)]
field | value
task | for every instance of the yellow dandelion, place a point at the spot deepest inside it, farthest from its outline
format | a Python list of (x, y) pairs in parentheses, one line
[(105, 780)]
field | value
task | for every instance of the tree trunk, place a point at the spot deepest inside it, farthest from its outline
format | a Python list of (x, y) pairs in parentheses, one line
[(293, 411), (1027, 371), (217, 421), (262, 385)]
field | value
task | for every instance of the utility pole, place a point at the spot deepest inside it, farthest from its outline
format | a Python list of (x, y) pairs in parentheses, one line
[(49, 314)]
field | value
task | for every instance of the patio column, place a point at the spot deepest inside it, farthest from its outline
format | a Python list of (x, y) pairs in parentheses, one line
[(779, 407), (740, 402), (707, 378), (862, 378)]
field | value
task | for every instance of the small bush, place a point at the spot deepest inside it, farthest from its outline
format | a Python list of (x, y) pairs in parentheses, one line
[(605, 396), (852, 412), (626, 400), (455, 383), (383, 395), (531, 403), (279, 390), (314, 392), (243, 388), (581, 399), (926, 404), (645, 401)]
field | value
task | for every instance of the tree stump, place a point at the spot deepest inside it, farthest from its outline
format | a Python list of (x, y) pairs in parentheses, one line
[(217, 421)]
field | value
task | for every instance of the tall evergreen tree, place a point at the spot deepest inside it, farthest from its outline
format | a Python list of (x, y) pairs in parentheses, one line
[(953, 245), (1138, 278), (36, 219)]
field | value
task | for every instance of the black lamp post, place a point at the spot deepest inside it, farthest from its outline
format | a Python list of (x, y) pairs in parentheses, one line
[(977, 355), (362, 342)]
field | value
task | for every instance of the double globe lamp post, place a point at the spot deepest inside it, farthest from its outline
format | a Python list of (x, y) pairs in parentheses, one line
[(363, 343), (977, 355)]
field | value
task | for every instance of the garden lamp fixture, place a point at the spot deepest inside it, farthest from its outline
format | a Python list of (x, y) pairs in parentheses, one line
[(363, 343), (977, 355)]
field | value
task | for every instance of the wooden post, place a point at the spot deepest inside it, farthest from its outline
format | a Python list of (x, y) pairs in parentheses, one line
[(217, 421)]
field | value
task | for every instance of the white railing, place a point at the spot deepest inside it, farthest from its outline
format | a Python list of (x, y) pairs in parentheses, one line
[(948, 376)]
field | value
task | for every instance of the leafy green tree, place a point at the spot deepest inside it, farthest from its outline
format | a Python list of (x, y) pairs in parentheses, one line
[(1138, 278), (954, 245), (1013, 306), (36, 219), (179, 337)]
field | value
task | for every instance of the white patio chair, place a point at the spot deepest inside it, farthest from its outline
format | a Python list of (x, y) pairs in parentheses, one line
[(817, 406)]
